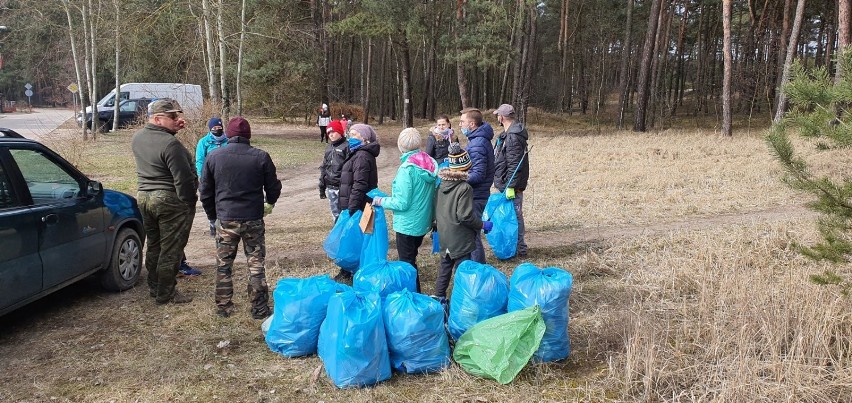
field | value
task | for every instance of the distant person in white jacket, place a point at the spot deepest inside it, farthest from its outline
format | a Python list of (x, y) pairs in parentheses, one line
[(323, 120)]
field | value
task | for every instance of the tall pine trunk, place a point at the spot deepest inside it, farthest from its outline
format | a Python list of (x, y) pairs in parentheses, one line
[(645, 68), (727, 5)]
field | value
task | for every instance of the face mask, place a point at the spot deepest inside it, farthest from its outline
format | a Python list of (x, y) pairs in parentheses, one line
[(466, 131), (354, 143), (217, 132)]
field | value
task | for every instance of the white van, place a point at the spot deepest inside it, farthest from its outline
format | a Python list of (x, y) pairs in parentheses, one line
[(188, 96)]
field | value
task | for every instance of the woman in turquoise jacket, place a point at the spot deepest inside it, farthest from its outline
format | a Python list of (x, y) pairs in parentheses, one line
[(214, 139), (412, 198)]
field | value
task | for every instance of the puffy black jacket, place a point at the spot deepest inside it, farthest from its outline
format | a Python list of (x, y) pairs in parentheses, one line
[(332, 163), (234, 179), (481, 173), (358, 176), (510, 148)]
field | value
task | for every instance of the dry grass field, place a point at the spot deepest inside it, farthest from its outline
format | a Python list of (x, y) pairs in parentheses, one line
[(687, 287)]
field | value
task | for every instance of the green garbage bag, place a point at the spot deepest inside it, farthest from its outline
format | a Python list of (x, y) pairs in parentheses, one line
[(500, 347)]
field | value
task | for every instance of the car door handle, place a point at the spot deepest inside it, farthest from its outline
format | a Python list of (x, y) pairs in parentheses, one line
[(50, 219)]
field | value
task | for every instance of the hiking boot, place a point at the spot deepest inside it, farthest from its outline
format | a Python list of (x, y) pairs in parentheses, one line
[(177, 298), (261, 313), (344, 277), (186, 270), (152, 292), (225, 311)]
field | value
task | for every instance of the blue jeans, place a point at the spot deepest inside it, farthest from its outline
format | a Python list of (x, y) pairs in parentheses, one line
[(332, 195)]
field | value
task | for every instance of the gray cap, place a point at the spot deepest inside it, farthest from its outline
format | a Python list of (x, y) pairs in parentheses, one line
[(505, 110), (164, 105)]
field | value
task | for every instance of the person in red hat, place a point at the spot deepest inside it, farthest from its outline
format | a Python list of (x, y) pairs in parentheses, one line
[(332, 163)]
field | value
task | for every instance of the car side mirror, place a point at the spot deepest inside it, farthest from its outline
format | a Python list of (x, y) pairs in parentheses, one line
[(94, 188)]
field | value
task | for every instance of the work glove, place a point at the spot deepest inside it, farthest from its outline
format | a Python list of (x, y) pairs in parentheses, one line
[(377, 201), (267, 208), (322, 192), (510, 193), (212, 227), (487, 226)]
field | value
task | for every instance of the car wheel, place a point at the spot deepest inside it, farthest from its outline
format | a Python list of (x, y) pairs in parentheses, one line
[(104, 126), (125, 263)]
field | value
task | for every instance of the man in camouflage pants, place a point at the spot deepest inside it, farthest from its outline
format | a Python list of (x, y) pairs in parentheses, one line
[(166, 194), (233, 182)]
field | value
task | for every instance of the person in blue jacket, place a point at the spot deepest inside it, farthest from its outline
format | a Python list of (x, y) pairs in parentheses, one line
[(481, 174), (412, 198), (214, 139)]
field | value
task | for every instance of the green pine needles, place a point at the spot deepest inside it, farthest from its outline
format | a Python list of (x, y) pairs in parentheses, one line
[(819, 112)]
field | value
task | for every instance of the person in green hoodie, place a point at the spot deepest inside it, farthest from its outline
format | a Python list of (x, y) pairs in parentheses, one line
[(412, 198), (458, 224)]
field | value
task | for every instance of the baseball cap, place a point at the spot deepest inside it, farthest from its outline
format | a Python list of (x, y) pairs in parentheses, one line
[(505, 110), (164, 105)]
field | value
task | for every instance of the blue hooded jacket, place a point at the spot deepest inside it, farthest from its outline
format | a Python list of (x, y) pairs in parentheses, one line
[(481, 173)]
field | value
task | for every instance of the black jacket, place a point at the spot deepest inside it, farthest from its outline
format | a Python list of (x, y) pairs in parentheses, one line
[(358, 176), (332, 163), (234, 181), (437, 149), (510, 148)]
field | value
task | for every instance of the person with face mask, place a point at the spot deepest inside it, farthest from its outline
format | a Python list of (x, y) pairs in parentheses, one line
[(214, 139), (512, 164), (440, 138), (359, 175), (481, 174)]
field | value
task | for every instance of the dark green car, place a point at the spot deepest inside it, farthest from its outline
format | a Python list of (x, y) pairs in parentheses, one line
[(58, 227)]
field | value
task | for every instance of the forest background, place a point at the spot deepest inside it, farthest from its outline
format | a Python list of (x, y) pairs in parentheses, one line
[(631, 63)]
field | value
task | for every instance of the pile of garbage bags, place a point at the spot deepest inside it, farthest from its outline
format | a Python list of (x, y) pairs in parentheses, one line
[(380, 325)]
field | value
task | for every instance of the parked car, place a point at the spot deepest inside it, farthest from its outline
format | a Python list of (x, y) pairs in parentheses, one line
[(187, 95), (130, 112), (57, 227)]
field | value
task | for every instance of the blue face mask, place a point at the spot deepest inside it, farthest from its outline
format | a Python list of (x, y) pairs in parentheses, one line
[(354, 143), (465, 131)]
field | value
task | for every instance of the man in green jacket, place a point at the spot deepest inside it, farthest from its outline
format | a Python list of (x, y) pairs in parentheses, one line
[(412, 197), (166, 194)]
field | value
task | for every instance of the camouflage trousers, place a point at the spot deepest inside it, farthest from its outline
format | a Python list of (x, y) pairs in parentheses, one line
[(167, 221), (228, 236)]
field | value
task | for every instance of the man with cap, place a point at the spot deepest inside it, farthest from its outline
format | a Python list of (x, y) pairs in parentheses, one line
[(481, 174), (457, 221), (511, 157), (166, 195), (323, 120), (234, 180), (332, 163)]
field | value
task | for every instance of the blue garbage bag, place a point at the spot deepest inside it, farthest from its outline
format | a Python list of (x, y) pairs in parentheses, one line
[(374, 247), (300, 308), (503, 238), (479, 292), (352, 342), (343, 243), (436, 244), (414, 325), (386, 277), (550, 289)]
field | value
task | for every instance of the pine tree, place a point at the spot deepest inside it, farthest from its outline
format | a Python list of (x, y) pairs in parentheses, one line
[(819, 112)]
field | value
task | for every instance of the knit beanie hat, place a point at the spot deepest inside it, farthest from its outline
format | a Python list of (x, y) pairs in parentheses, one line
[(408, 140), (458, 157), (366, 132), (238, 126), (336, 126), (213, 122)]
